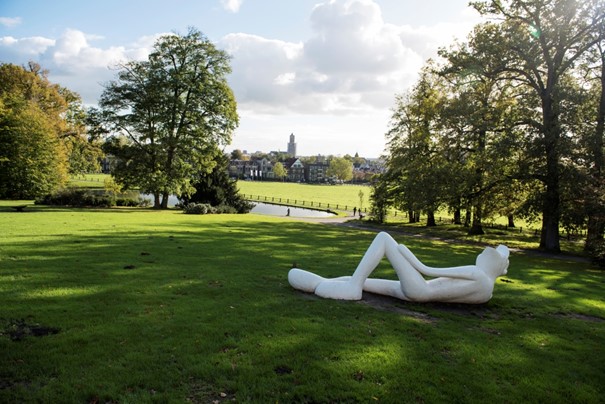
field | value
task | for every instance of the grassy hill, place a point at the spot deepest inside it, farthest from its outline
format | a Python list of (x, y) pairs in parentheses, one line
[(137, 305)]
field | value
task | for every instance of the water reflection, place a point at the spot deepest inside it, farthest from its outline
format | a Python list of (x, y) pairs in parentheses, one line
[(279, 210), (172, 199)]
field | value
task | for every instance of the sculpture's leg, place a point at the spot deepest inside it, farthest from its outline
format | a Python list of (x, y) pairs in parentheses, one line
[(370, 260), (351, 289), (384, 287), (304, 280), (412, 286)]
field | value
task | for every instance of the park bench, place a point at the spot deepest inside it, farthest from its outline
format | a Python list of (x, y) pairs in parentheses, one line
[(19, 208)]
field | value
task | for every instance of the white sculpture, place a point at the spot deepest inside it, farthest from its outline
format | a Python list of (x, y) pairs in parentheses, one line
[(465, 284)]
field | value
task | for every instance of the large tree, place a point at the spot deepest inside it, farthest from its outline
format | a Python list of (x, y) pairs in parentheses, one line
[(591, 119), (416, 166), (540, 42), (475, 122), (83, 147), (340, 168), (175, 109), (33, 157)]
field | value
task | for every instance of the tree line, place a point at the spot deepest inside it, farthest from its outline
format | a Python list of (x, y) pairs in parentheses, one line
[(43, 135), (509, 122), (164, 121)]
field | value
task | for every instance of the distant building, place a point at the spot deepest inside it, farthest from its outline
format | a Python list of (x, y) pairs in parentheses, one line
[(316, 172), (292, 146), (296, 170)]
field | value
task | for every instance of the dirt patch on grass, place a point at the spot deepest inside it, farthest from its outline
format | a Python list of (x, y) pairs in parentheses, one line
[(18, 329), (579, 316), (200, 392), (393, 305)]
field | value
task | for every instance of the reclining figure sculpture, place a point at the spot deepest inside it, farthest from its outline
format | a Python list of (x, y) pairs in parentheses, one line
[(465, 284)]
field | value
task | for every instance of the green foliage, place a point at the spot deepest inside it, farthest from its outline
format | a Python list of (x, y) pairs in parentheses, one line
[(514, 124), (361, 195), (197, 208), (76, 197), (597, 253), (175, 109), (279, 170), (83, 149), (416, 164), (380, 199), (340, 168), (204, 208), (217, 189), (561, 34), (33, 158)]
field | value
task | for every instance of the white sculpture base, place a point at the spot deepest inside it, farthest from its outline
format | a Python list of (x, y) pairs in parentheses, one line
[(465, 284)]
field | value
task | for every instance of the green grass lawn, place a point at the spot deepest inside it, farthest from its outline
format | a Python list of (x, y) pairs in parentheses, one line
[(341, 195), (88, 180), (158, 306), (524, 235)]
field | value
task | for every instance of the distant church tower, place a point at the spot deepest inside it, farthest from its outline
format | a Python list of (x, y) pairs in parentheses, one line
[(292, 146)]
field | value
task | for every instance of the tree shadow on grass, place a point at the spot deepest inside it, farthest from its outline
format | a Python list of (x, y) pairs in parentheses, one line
[(202, 306)]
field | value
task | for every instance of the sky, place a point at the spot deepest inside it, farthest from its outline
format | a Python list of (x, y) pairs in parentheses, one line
[(327, 71)]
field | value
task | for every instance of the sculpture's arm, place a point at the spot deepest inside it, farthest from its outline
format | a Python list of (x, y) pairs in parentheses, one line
[(463, 272)]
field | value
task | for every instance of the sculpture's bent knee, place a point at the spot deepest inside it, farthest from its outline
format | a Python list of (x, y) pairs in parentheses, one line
[(383, 236)]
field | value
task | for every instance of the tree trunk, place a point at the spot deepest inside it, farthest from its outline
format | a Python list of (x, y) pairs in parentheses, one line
[(156, 201), (477, 227), (411, 216), (430, 219), (457, 216), (477, 208), (165, 197), (467, 217), (511, 221), (551, 211)]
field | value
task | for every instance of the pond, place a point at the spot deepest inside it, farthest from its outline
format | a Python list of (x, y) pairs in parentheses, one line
[(263, 208), (280, 210), (172, 199)]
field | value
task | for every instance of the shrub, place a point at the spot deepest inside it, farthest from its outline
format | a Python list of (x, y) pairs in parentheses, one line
[(87, 198), (75, 197), (217, 189), (225, 209), (197, 209), (128, 202), (597, 253)]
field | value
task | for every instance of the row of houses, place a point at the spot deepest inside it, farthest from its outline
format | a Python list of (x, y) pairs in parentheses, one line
[(296, 170), (256, 168)]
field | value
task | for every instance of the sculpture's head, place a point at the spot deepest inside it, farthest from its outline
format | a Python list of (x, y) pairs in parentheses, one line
[(494, 261)]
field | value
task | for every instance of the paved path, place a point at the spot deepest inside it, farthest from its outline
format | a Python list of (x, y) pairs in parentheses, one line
[(340, 220)]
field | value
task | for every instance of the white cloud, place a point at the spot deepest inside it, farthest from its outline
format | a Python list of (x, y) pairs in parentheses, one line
[(10, 22), (25, 46), (72, 60), (232, 5), (285, 79), (73, 52), (352, 63)]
